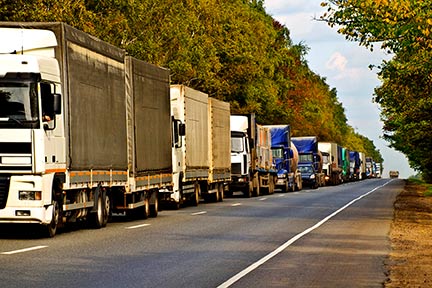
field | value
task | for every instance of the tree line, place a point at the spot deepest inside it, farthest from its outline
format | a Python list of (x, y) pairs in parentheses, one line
[(403, 28), (232, 50)]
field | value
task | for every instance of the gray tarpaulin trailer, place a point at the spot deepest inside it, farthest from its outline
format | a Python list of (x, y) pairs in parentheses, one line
[(110, 145)]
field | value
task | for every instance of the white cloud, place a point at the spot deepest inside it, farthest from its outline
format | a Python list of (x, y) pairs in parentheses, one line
[(337, 62), (345, 66)]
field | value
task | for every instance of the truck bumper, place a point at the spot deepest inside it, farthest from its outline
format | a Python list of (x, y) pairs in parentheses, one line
[(309, 182), (38, 215), (238, 183)]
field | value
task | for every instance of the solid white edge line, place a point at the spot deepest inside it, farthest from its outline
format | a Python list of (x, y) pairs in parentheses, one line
[(255, 265), (24, 250), (262, 199), (138, 226), (236, 204)]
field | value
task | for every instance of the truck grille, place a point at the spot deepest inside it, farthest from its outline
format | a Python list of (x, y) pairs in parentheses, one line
[(4, 190), (236, 168), (12, 150)]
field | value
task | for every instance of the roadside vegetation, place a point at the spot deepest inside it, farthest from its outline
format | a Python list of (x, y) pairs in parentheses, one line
[(422, 185), (403, 28), (232, 50)]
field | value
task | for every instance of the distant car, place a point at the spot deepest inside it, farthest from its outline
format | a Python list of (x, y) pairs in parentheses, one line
[(394, 174)]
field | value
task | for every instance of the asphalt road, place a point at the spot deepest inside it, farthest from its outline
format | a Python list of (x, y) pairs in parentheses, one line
[(329, 237)]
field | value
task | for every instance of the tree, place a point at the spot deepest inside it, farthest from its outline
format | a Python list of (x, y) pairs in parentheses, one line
[(402, 27), (232, 50)]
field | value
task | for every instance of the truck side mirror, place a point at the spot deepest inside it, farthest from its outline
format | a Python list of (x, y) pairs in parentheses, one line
[(56, 98), (182, 129)]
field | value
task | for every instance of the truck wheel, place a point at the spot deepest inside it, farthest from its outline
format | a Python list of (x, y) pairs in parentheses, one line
[(216, 197), (256, 185), (51, 228), (145, 210), (299, 185), (221, 192), (195, 197), (154, 209), (107, 210), (100, 217), (247, 191), (271, 187)]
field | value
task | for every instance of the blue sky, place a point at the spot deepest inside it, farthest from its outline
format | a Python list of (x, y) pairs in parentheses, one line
[(345, 65)]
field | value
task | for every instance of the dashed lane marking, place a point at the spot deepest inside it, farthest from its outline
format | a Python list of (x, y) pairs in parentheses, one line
[(199, 213), (288, 243), (138, 226), (23, 250)]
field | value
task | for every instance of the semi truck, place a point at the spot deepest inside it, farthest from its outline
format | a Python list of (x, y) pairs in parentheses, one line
[(345, 156), (310, 161), (362, 165), (86, 130), (355, 165), (369, 167), (201, 154), (252, 172), (285, 158), (331, 167)]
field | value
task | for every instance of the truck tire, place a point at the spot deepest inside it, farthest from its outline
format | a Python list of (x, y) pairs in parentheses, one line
[(195, 197), (145, 210), (99, 219), (51, 228), (107, 209), (256, 185), (271, 187), (154, 208), (221, 192), (247, 192)]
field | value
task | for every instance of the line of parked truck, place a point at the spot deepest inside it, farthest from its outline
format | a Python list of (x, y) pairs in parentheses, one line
[(87, 131)]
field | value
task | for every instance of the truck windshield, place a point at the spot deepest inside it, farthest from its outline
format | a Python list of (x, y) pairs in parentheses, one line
[(277, 153), (306, 169), (18, 104), (237, 144)]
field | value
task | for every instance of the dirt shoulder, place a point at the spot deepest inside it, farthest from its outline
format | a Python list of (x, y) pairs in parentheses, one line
[(410, 261)]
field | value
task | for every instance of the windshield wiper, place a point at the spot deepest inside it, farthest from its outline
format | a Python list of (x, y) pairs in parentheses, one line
[(16, 120)]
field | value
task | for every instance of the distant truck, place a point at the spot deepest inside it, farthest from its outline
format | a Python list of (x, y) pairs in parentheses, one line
[(362, 166), (251, 158), (369, 167), (310, 161), (331, 167), (345, 156), (394, 174), (355, 166), (285, 158), (201, 154), (378, 170), (78, 145)]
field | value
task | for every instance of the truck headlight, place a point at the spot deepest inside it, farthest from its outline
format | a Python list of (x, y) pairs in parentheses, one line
[(281, 176), (30, 195), (312, 176)]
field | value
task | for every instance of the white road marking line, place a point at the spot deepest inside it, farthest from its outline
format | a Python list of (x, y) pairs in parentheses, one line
[(23, 250), (137, 226), (262, 199), (236, 204), (199, 213), (281, 248), (281, 195)]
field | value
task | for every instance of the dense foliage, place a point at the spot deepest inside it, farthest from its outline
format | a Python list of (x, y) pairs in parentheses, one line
[(232, 50), (403, 27)]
